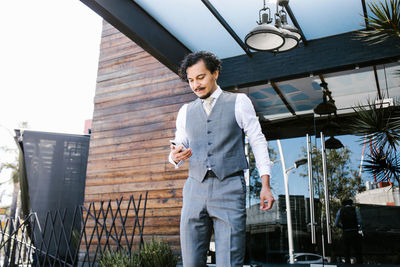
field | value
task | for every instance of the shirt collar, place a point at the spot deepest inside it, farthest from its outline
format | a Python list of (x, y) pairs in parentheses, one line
[(216, 93)]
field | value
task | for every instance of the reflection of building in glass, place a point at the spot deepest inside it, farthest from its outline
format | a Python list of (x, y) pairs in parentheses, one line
[(381, 227), (380, 211), (379, 194), (267, 231), (267, 241)]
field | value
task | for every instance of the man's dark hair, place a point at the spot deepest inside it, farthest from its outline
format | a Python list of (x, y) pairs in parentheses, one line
[(347, 201), (210, 60)]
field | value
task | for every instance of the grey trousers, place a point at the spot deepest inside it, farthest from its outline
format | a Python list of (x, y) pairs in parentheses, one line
[(219, 206)]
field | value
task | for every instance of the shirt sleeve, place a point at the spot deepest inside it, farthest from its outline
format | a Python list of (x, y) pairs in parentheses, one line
[(248, 121), (337, 219), (180, 134)]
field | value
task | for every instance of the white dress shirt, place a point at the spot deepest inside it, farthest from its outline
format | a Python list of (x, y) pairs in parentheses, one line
[(246, 119)]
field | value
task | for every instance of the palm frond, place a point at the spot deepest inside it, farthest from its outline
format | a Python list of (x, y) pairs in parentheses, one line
[(377, 123), (383, 164), (384, 22)]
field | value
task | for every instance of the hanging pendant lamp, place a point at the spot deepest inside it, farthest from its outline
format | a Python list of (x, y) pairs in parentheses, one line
[(291, 39), (279, 38), (265, 37), (285, 25), (327, 106), (333, 143)]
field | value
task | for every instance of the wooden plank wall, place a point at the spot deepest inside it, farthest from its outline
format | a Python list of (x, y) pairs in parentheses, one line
[(136, 103)]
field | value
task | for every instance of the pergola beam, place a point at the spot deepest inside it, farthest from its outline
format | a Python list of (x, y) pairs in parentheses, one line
[(130, 19), (320, 56)]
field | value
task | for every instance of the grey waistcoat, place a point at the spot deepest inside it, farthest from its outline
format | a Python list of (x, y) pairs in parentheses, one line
[(217, 141)]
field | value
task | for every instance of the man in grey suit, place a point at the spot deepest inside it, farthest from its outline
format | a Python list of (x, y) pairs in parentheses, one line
[(210, 133)]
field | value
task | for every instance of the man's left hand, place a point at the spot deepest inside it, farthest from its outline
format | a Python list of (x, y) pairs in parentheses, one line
[(266, 197)]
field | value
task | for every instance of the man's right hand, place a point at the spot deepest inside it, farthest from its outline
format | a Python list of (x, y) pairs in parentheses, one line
[(180, 153)]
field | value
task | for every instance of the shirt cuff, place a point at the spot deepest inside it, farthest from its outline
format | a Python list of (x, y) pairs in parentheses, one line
[(177, 165), (264, 170)]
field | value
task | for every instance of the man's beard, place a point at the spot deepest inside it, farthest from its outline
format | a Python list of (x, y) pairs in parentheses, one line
[(206, 96)]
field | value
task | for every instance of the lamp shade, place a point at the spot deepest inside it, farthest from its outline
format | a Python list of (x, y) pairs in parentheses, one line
[(291, 41), (333, 143), (325, 108), (265, 37), (289, 27), (292, 29)]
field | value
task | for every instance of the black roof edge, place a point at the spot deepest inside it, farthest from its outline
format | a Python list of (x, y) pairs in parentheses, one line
[(133, 21)]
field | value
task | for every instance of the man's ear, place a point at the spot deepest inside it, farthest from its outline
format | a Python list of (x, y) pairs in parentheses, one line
[(216, 74)]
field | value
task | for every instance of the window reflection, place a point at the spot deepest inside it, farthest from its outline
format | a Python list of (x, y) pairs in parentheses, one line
[(377, 202)]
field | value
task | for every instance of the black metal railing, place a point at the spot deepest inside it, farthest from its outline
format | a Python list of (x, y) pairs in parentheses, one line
[(73, 238)]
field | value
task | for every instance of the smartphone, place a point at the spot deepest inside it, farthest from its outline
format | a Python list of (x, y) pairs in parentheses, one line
[(175, 144)]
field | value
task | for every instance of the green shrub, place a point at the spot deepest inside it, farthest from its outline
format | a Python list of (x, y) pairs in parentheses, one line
[(119, 259), (156, 253)]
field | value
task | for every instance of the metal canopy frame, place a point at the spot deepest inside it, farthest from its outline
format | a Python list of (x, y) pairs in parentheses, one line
[(312, 57), (365, 13), (378, 88), (296, 24), (325, 55), (227, 27)]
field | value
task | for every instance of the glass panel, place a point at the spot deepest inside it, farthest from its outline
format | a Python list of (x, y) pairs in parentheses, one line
[(389, 80), (267, 239), (265, 100), (349, 89), (376, 202), (302, 94), (241, 15), (376, 199), (324, 18), (193, 24)]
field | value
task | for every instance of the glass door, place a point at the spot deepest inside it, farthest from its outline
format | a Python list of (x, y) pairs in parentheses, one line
[(340, 211), (277, 237), (359, 211)]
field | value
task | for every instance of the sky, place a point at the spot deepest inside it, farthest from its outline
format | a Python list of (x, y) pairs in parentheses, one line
[(49, 53)]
